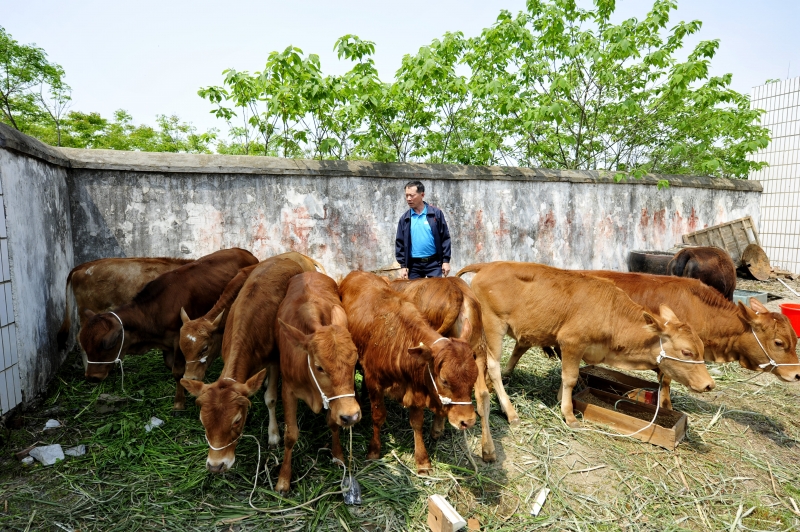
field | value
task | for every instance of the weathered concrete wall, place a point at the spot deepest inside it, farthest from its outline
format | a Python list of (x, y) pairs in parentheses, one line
[(36, 204), (345, 213)]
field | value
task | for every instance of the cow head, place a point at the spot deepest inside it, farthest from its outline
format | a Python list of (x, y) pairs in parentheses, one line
[(777, 338), (679, 341), (100, 339), (201, 342), (452, 366), (332, 355), (223, 412)]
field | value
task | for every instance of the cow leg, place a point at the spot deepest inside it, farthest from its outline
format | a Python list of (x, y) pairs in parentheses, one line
[(289, 439), (416, 416), (495, 330), (437, 427), (271, 400), (666, 401), (378, 419), (178, 369), (520, 349), (484, 401), (336, 445), (570, 364)]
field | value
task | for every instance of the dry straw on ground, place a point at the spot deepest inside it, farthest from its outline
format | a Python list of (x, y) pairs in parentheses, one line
[(737, 469)]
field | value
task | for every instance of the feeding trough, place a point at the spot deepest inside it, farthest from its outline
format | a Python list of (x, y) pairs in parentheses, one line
[(643, 261)]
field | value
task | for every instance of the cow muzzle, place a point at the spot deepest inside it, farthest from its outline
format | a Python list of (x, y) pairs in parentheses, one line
[(220, 465)]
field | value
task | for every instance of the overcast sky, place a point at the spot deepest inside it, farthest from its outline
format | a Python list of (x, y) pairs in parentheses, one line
[(150, 57)]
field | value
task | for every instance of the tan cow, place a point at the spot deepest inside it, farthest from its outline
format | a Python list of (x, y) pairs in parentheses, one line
[(448, 303), (248, 350), (318, 362), (201, 338), (104, 284), (588, 318), (403, 357)]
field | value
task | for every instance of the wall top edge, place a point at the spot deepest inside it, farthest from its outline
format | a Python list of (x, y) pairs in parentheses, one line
[(149, 162)]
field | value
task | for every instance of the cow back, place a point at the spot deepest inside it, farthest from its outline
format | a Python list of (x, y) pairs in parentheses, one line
[(710, 265)]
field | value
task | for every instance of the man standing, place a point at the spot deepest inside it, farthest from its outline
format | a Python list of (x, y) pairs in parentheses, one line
[(422, 245)]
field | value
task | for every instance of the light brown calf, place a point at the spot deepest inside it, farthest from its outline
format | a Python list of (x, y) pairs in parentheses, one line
[(588, 318), (405, 358), (447, 304), (318, 361), (201, 338), (248, 350)]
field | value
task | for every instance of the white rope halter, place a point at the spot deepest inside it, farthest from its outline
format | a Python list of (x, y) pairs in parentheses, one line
[(118, 359), (325, 399), (771, 362), (446, 401), (201, 360), (662, 355), (224, 446)]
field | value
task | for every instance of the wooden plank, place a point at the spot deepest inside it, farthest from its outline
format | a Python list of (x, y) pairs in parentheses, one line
[(733, 237)]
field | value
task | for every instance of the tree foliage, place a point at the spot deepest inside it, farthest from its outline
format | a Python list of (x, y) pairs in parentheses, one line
[(555, 86)]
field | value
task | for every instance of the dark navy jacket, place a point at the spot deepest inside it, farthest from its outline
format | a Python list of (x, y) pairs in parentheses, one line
[(441, 236)]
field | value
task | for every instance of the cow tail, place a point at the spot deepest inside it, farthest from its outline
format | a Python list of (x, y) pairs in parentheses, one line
[(472, 268), (66, 325), (677, 264)]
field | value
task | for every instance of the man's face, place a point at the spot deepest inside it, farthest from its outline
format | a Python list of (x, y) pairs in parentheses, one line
[(414, 198)]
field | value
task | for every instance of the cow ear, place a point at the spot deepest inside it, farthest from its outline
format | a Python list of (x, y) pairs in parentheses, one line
[(747, 315), (756, 305), (255, 382), (667, 314), (651, 323), (193, 387), (421, 351), (184, 316), (110, 339), (217, 321), (338, 317), (466, 330), (88, 313), (294, 334)]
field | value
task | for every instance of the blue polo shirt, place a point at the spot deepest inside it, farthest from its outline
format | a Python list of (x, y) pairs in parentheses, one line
[(422, 243)]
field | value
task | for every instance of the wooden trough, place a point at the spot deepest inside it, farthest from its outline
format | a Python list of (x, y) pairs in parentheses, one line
[(603, 401)]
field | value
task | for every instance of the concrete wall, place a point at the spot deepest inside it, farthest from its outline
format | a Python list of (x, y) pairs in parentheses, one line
[(39, 253), (779, 231), (345, 213)]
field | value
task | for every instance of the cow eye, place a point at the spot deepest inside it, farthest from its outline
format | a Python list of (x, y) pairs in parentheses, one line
[(779, 343), (444, 381), (319, 368), (686, 353), (205, 348)]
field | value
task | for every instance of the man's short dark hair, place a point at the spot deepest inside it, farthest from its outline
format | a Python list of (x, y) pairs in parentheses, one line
[(418, 184)]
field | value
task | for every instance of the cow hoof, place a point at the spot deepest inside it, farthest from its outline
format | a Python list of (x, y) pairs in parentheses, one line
[(282, 487), (435, 435), (373, 456), (489, 456), (177, 413), (574, 424), (424, 470), (513, 421)]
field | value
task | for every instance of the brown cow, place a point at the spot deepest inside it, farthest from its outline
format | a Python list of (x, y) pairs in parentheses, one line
[(153, 320), (448, 303), (404, 357), (104, 284), (201, 338), (588, 318), (248, 350), (712, 266), (318, 362), (759, 339)]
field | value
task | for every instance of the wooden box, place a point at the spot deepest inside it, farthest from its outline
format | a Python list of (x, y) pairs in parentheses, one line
[(733, 237), (605, 404)]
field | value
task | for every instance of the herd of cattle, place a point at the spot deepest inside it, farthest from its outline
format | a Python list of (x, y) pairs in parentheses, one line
[(427, 343)]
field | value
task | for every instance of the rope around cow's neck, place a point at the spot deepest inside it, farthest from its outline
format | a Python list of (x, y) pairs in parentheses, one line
[(771, 362), (325, 400), (663, 354), (119, 354), (446, 401)]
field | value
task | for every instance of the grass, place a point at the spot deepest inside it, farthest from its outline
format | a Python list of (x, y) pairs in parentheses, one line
[(735, 471)]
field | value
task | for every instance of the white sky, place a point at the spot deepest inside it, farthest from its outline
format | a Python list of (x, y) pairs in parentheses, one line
[(150, 57)]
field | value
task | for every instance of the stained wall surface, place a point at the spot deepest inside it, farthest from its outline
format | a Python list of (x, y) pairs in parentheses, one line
[(779, 231), (345, 214)]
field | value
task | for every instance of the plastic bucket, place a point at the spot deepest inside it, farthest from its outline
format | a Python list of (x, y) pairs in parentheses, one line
[(792, 311)]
